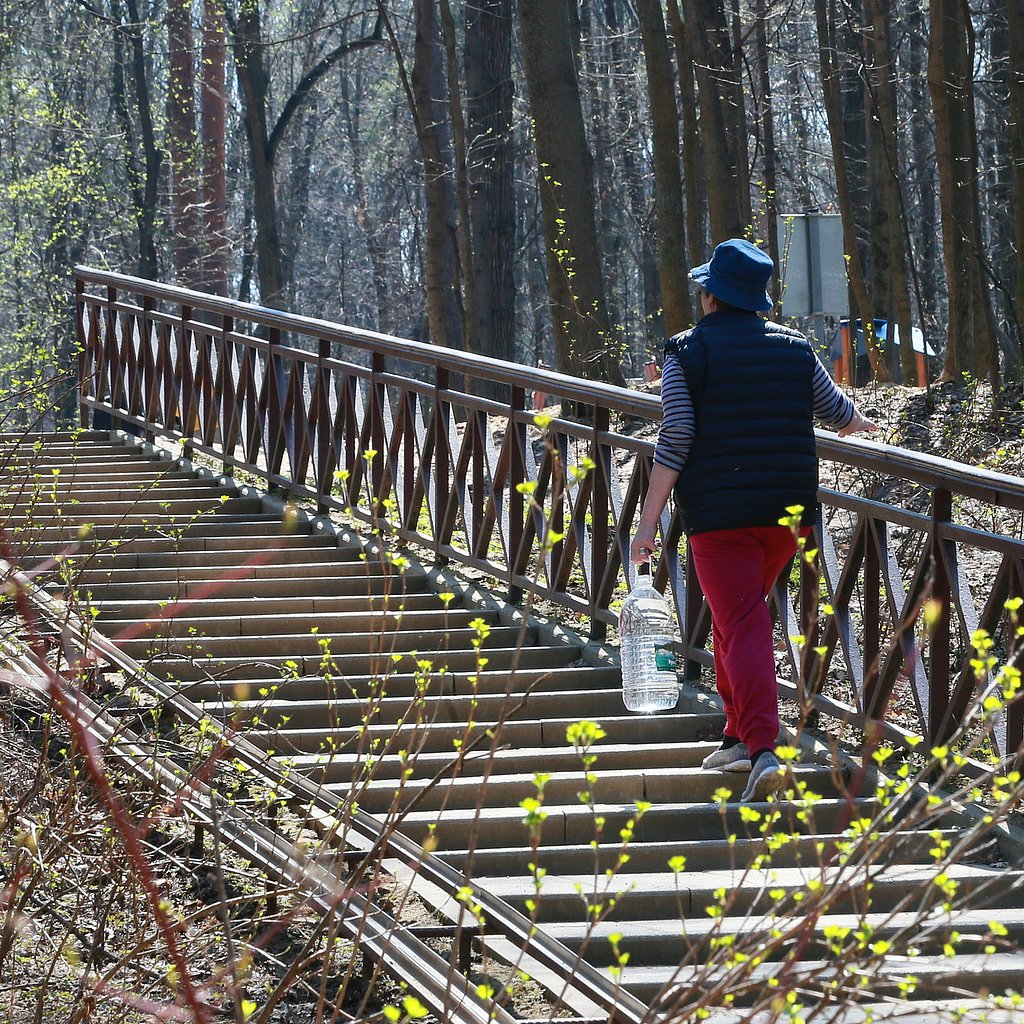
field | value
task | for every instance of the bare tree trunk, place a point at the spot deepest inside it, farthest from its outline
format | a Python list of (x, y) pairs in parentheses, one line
[(296, 192), (375, 243), (488, 60), (464, 233), (923, 159), (668, 185), (1015, 21), (971, 342), (737, 122), (575, 281), (445, 311), (213, 121), (876, 213), (183, 144), (720, 134), (595, 70), (693, 152), (634, 174), (143, 181), (766, 123), (253, 85), (833, 110), (882, 81)]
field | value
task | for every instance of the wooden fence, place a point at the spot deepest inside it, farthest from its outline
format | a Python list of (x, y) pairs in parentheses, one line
[(445, 450)]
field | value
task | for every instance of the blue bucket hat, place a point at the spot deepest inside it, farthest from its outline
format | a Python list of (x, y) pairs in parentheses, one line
[(737, 273)]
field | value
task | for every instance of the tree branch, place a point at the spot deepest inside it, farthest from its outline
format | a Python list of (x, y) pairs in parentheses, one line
[(313, 76)]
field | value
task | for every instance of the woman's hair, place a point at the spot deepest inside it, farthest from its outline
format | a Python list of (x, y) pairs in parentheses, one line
[(724, 307)]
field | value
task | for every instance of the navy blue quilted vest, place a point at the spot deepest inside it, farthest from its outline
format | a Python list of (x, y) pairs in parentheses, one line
[(754, 451)]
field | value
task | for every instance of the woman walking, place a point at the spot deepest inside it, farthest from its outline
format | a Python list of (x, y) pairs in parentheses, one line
[(740, 395)]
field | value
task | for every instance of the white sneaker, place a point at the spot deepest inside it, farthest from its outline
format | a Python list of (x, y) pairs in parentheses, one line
[(728, 759), (766, 777)]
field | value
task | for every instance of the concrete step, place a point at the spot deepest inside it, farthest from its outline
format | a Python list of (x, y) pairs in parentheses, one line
[(426, 642), (503, 826), (702, 855), (310, 699), (66, 443), (288, 701), (520, 761), (221, 563), (663, 941), (101, 475), (144, 542), (155, 551), (920, 1011), (184, 670), (639, 783), (70, 452), (86, 458), (282, 722), (651, 905), (386, 739), (179, 514), (16, 438), (937, 977), (56, 491), (259, 581), (261, 607), (114, 561), (133, 509), (219, 524), (269, 624)]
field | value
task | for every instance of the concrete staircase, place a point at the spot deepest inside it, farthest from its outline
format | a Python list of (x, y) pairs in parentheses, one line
[(361, 675)]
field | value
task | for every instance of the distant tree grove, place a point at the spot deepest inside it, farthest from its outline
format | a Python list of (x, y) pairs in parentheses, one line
[(527, 179)]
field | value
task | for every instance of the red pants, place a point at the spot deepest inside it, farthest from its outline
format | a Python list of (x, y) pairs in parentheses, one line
[(737, 569)]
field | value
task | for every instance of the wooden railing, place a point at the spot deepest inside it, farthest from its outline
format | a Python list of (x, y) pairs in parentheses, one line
[(445, 450)]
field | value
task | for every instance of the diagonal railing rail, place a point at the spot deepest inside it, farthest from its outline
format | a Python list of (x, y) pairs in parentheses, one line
[(441, 448)]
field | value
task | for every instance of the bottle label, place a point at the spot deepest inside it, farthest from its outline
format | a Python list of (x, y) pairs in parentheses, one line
[(664, 658)]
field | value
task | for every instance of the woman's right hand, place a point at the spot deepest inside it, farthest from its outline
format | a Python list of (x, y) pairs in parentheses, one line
[(644, 544)]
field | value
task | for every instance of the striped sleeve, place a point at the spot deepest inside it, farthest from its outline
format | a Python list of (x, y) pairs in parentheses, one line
[(831, 406), (679, 423)]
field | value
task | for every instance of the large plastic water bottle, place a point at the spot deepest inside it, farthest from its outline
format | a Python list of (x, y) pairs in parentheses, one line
[(646, 629)]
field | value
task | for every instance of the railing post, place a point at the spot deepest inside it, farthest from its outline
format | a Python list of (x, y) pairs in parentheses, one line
[(693, 603), (112, 354), (83, 353), (442, 461), (324, 465), (276, 426), (871, 619), (810, 594), (188, 403), (516, 498), (476, 422), (224, 393), (378, 439), (940, 647), (410, 415), (1015, 710), (150, 377), (599, 531)]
